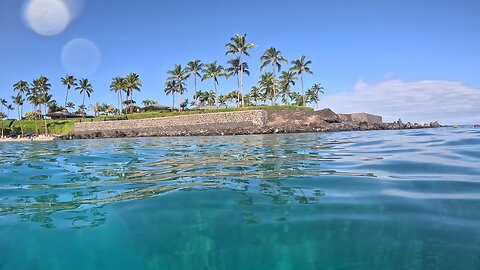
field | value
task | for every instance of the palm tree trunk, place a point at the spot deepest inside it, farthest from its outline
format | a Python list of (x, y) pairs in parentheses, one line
[(288, 95), (316, 105), (83, 105), (45, 118), (180, 98), (20, 118), (274, 99), (303, 92), (238, 91), (216, 95), (195, 87), (118, 102), (131, 101), (173, 101), (121, 102), (65, 107), (1, 113), (241, 78), (66, 99), (35, 118)]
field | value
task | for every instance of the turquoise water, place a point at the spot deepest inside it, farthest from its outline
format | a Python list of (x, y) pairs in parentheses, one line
[(405, 199)]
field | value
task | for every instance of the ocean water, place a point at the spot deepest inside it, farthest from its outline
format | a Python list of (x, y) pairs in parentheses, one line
[(407, 199)]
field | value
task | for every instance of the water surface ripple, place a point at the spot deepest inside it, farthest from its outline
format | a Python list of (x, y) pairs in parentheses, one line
[(405, 199)]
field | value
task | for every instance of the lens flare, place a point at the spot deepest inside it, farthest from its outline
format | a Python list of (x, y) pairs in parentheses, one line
[(80, 57), (47, 17), (75, 7)]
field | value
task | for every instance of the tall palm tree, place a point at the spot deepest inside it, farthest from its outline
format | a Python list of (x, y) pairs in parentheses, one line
[(33, 97), (170, 89), (273, 57), (287, 79), (43, 86), (267, 85), (239, 45), (118, 85), (194, 67), (22, 88), (19, 100), (3, 102), (313, 94), (132, 82), (85, 88), (180, 75), (70, 82), (234, 70), (213, 71), (301, 66)]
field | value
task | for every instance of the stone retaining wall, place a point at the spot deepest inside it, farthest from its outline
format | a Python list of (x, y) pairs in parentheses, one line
[(176, 125), (232, 123)]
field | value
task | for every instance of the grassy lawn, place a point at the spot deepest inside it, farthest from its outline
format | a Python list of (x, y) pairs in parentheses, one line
[(64, 127)]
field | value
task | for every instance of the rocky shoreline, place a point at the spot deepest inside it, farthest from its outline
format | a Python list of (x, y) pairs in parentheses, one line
[(234, 123)]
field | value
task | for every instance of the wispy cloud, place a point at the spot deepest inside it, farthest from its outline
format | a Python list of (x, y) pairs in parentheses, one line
[(449, 102)]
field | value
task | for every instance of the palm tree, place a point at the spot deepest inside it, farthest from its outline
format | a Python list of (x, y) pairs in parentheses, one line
[(199, 96), (296, 98), (132, 82), (234, 70), (180, 75), (33, 98), (287, 79), (313, 94), (148, 102), (21, 87), (86, 89), (222, 100), (118, 85), (213, 71), (70, 105), (300, 66), (210, 97), (18, 100), (234, 96), (267, 85), (255, 94), (170, 89), (194, 67), (43, 86), (274, 58), (3, 102), (239, 45), (70, 82), (10, 108)]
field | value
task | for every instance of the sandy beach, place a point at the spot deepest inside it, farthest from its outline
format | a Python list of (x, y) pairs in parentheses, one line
[(41, 138)]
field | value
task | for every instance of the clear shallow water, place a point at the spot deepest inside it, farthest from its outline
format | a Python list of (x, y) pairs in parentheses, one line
[(352, 200)]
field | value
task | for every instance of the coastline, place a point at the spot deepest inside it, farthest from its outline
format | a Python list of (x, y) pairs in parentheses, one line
[(234, 123), (226, 124)]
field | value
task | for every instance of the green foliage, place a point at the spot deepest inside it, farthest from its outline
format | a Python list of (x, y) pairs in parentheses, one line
[(32, 115), (58, 127)]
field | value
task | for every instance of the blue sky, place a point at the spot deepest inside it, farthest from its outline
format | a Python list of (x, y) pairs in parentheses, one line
[(349, 42)]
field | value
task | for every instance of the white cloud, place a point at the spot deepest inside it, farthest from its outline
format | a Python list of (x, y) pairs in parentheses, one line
[(449, 102)]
